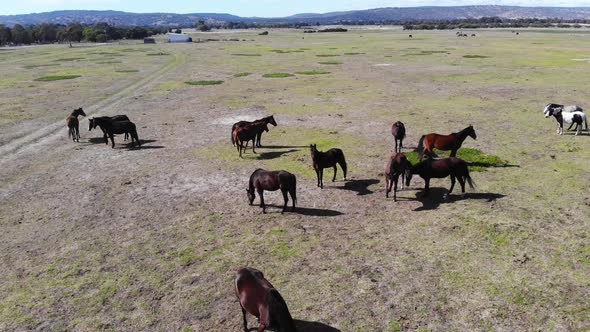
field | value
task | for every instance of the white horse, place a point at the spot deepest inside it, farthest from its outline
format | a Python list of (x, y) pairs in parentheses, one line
[(568, 114)]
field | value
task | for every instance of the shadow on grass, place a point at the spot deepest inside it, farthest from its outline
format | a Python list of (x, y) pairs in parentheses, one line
[(305, 326), (438, 196), (361, 187), (312, 212), (487, 165), (129, 146), (284, 146), (273, 155)]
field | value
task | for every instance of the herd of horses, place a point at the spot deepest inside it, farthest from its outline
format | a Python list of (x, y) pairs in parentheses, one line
[(110, 126)]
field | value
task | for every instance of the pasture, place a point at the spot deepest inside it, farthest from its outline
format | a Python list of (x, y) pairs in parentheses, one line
[(95, 238)]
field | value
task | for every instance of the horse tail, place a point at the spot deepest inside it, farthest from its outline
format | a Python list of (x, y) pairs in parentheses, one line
[(294, 192), (420, 147), (134, 134), (233, 142), (586, 121), (469, 180), (342, 162), (279, 312)]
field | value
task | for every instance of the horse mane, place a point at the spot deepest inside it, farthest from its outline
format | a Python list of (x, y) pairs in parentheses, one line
[(462, 130)]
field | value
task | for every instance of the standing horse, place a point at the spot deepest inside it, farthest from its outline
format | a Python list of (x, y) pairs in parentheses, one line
[(118, 127), (74, 124), (326, 159), (397, 165), (262, 180), (267, 120), (248, 133), (258, 297), (92, 124), (444, 142), (398, 130), (441, 168), (568, 114)]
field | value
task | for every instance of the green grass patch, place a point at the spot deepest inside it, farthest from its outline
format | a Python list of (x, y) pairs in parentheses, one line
[(108, 62), (69, 59), (203, 82), (475, 56), (353, 53), (243, 74), (157, 54), (277, 75), (287, 51), (330, 63), (247, 54), (326, 55), (39, 66), (127, 71), (56, 78), (313, 72)]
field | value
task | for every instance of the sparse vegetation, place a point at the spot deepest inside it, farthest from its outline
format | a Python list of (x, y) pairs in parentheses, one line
[(56, 78), (242, 74), (214, 82), (313, 72), (277, 75)]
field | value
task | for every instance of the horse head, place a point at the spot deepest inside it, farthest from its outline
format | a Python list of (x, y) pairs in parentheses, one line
[(551, 109), (79, 111), (471, 132), (272, 121), (250, 195)]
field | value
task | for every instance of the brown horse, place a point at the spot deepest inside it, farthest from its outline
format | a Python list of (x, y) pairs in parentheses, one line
[(74, 124), (441, 168), (267, 120), (397, 165), (444, 142), (398, 130), (259, 297), (326, 159), (248, 133), (262, 180)]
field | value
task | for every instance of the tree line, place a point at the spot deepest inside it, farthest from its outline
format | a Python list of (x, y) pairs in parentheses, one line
[(47, 33)]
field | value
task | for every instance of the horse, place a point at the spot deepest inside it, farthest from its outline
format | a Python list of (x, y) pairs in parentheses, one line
[(248, 133), (92, 124), (397, 165), (441, 168), (74, 125), (571, 114), (398, 130), (262, 180), (258, 297), (267, 120), (444, 142), (327, 159), (118, 127)]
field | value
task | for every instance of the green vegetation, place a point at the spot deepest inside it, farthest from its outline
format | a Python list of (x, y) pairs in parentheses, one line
[(475, 56), (69, 59), (247, 54), (56, 78), (127, 71), (327, 55), (330, 63), (277, 75), (479, 160), (313, 72), (40, 66), (242, 74), (203, 82)]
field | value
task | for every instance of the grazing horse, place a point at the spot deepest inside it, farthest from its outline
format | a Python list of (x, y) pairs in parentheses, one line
[(397, 165), (258, 297), (74, 124), (441, 168), (262, 180), (572, 114), (92, 124), (398, 130), (118, 127), (248, 133), (444, 142), (326, 159), (267, 120)]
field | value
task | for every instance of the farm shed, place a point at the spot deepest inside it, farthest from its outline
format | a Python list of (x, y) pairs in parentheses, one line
[(179, 38)]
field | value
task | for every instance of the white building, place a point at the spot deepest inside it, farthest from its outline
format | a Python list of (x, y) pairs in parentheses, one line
[(179, 38)]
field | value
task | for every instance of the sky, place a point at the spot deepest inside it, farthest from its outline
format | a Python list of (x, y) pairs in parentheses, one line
[(247, 8)]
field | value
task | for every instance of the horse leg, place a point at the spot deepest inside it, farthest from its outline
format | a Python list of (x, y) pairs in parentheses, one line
[(454, 153), (462, 183), (112, 136), (401, 144), (261, 327), (395, 178), (452, 184), (570, 127), (426, 187), (322, 178), (293, 193), (253, 144), (335, 169), (77, 134), (387, 186), (262, 205), (395, 140), (245, 320), (285, 198)]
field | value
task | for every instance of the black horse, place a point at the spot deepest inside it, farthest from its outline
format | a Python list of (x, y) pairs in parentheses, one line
[(327, 159), (262, 180), (74, 124), (118, 127), (92, 124), (267, 120), (441, 168), (398, 130)]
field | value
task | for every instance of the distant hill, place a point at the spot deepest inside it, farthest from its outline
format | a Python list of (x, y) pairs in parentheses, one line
[(378, 14)]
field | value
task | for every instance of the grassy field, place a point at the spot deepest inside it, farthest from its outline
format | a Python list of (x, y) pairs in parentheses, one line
[(149, 239)]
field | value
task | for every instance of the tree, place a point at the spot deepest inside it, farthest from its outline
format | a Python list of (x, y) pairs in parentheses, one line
[(201, 26), (20, 35), (90, 34), (136, 33), (72, 32), (45, 33), (5, 35)]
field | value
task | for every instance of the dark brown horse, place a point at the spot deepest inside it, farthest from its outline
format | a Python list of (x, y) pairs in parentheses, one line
[(92, 124), (244, 134), (398, 130), (267, 120), (441, 168), (326, 159), (258, 297), (74, 124), (262, 180), (118, 127), (397, 165), (444, 142)]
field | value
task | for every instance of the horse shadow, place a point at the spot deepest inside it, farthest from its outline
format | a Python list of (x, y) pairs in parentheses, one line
[(488, 165), (438, 196), (131, 147), (283, 146), (361, 187), (312, 212), (305, 326), (96, 140), (273, 154)]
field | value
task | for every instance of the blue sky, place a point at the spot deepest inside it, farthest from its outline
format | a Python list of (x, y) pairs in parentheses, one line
[(265, 8)]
